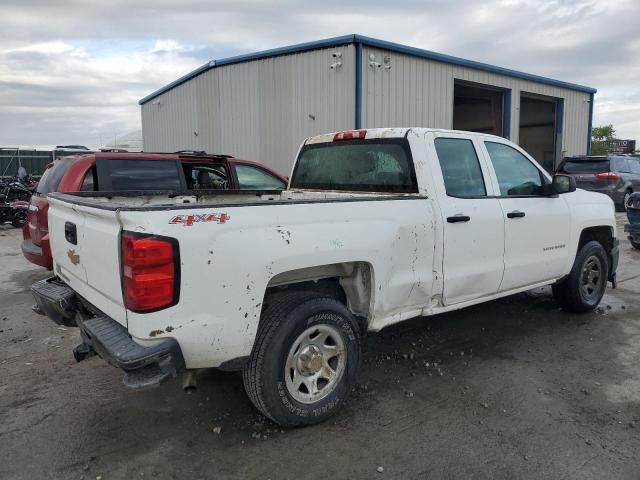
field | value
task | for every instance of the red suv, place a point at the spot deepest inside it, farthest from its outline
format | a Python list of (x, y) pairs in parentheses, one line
[(179, 172)]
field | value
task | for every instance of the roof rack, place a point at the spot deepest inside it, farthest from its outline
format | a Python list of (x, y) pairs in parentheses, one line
[(202, 153), (195, 153)]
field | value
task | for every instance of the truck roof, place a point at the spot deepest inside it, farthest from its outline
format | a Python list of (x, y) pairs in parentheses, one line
[(389, 132)]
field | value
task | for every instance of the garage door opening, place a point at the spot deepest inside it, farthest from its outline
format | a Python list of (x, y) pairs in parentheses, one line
[(539, 132), (478, 108)]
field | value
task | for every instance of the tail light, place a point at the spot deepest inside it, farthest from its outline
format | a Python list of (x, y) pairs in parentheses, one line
[(150, 272), (608, 176), (349, 135)]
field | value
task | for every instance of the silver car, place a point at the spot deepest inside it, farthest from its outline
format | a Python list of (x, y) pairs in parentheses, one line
[(615, 175)]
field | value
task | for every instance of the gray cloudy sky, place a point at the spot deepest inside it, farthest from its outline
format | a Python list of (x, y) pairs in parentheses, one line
[(73, 71)]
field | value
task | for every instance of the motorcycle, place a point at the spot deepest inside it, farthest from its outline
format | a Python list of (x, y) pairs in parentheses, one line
[(633, 215), (16, 189), (15, 196), (14, 213)]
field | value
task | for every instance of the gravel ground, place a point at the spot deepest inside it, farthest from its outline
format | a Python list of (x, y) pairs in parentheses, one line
[(510, 389)]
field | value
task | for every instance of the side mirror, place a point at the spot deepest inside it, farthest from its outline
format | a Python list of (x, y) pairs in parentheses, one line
[(563, 183)]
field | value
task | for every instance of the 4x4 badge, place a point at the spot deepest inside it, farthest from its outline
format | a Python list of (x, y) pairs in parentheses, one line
[(189, 220)]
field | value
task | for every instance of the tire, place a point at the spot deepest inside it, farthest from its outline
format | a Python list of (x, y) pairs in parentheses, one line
[(279, 376), (622, 207), (583, 289), (635, 243), (19, 220)]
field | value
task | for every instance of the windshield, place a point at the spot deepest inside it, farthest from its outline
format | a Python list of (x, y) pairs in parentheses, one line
[(378, 165), (585, 166)]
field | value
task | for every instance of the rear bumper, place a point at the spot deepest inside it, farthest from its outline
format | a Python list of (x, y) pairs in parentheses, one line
[(633, 229), (143, 366), (35, 254), (56, 301)]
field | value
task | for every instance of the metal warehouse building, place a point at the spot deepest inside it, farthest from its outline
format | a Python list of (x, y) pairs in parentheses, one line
[(261, 106)]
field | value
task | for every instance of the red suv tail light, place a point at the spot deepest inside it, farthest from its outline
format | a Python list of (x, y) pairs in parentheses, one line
[(608, 176), (150, 272)]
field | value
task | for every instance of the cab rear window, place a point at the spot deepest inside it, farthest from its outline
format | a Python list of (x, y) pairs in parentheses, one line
[(585, 166), (377, 165)]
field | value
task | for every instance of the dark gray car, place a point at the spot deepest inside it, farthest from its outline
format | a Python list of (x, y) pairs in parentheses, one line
[(615, 175)]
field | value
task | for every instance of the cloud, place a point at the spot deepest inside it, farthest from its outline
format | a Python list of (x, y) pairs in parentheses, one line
[(72, 71)]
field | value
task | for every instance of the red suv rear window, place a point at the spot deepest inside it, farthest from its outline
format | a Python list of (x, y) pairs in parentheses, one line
[(51, 177)]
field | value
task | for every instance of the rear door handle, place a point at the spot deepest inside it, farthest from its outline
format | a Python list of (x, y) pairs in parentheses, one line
[(458, 219), (515, 214)]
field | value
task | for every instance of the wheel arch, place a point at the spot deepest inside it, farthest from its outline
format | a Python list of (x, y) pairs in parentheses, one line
[(604, 235), (349, 282)]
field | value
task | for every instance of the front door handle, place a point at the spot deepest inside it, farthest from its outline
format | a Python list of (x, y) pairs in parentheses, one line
[(458, 219), (515, 214)]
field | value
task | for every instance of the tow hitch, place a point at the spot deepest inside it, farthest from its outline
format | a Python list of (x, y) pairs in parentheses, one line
[(82, 352)]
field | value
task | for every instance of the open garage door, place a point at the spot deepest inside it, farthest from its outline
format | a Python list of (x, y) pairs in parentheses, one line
[(541, 128), (478, 108)]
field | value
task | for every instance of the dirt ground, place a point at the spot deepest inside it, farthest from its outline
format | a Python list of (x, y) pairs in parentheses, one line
[(510, 389)]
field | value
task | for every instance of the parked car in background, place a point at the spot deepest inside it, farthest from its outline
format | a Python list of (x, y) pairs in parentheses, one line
[(62, 151), (615, 175), (108, 171)]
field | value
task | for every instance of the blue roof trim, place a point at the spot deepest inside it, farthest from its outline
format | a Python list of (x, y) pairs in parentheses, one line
[(274, 52), (440, 57), (179, 81), (370, 42)]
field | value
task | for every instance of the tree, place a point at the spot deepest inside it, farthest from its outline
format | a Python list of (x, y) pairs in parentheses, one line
[(601, 139)]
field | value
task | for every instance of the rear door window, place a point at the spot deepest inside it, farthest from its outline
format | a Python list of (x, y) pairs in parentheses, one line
[(634, 165), (205, 177), (89, 183), (579, 166), (377, 165), (620, 165), (460, 167), (118, 175), (254, 178)]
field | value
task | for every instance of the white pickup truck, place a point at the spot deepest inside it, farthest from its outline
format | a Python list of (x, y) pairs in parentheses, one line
[(377, 226)]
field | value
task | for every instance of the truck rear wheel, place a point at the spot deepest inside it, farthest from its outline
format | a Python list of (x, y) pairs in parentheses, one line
[(583, 289), (305, 359)]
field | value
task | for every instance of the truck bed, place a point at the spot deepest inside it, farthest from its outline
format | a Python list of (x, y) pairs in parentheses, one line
[(231, 253), (127, 201)]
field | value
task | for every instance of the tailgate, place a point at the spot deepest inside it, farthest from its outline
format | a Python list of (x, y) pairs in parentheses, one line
[(590, 182), (85, 243)]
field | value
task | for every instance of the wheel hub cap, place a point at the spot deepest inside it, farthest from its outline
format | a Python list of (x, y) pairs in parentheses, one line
[(310, 360), (315, 364), (592, 277)]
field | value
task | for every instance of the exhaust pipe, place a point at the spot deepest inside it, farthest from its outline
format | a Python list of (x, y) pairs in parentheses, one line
[(189, 383)]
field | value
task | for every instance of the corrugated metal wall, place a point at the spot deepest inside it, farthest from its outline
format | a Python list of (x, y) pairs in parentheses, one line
[(258, 110), (262, 109), (419, 92), (34, 161)]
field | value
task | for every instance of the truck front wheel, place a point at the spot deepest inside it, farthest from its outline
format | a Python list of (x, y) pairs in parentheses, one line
[(583, 289), (305, 358)]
